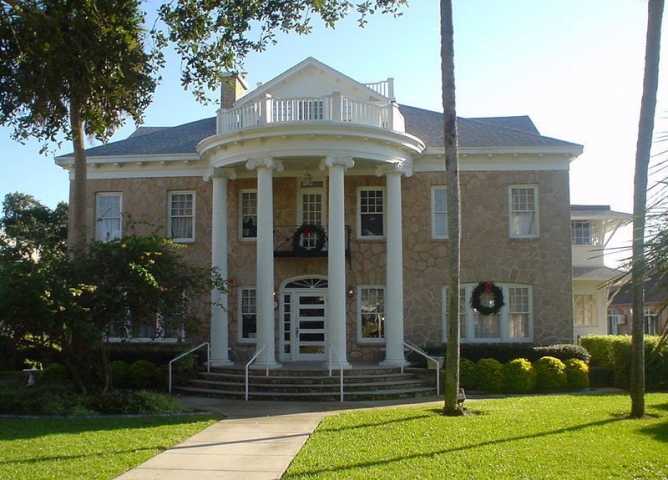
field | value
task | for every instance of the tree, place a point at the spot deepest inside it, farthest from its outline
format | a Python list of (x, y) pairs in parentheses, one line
[(451, 386), (75, 68), (643, 149), (213, 37)]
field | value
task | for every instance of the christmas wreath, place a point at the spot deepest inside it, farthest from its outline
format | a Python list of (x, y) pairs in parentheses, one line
[(301, 240), (487, 288)]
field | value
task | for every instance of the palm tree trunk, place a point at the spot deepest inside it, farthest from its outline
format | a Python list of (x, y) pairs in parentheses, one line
[(643, 148), (451, 383)]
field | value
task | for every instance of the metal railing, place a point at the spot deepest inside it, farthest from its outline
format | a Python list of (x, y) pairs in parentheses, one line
[(338, 360), (208, 360), (418, 350), (257, 354)]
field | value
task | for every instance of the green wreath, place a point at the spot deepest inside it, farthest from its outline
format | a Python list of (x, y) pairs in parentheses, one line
[(487, 287), (308, 230)]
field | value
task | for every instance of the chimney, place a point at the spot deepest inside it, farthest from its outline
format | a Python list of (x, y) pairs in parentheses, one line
[(233, 87)]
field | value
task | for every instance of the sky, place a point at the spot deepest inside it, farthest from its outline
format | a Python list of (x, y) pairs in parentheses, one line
[(574, 66)]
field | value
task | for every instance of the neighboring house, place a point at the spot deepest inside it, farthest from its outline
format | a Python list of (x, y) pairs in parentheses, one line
[(324, 202), (592, 227), (655, 316)]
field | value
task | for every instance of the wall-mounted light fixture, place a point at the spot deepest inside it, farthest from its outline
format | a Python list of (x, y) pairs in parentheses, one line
[(350, 291)]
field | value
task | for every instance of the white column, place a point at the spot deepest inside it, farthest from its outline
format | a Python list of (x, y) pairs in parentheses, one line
[(336, 260), (265, 259), (219, 325), (394, 283)]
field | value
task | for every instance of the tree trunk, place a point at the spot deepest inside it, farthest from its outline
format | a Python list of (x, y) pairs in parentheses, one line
[(643, 148), (451, 383), (77, 218)]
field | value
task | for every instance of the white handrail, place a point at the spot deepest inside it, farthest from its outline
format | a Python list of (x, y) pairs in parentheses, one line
[(438, 365), (208, 360), (257, 354), (338, 360)]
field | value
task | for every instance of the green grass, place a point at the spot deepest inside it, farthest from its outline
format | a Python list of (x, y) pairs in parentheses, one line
[(88, 448), (534, 437)]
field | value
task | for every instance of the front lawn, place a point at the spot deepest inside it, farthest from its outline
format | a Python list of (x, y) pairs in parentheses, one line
[(533, 437), (88, 448)]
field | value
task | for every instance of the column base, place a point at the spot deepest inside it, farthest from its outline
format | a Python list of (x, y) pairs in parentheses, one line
[(394, 362), (221, 362)]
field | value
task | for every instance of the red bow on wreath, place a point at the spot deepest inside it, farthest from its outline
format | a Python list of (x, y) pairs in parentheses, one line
[(488, 287)]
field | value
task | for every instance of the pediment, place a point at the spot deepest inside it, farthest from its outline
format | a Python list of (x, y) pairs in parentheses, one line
[(312, 79)]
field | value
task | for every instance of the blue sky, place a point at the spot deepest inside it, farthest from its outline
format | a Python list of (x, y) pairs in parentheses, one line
[(574, 66)]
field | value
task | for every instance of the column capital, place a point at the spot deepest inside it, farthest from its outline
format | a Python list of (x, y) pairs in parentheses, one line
[(269, 163), (401, 166), (331, 161), (217, 172)]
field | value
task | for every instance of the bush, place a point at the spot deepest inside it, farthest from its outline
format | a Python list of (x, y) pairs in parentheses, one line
[(490, 375), (519, 376), (120, 373), (468, 374), (563, 352), (550, 374), (55, 374), (577, 374), (142, 374)]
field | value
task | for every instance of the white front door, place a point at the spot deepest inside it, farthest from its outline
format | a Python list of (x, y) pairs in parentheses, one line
[(308, 336)]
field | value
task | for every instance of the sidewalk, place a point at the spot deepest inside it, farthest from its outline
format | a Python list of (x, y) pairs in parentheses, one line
[(256, 441)]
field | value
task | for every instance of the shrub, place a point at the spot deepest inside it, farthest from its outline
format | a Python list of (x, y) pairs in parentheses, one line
[(468, 374), (656, 363), (120, 373), (55, 374), (142, 374), (577, 374), (550, 374), (519, 376), (563, 352), (490, 375)]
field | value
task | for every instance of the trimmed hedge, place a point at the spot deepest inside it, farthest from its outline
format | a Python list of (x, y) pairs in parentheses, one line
[(577, 374), (550, 374), (519, 376), (505, 352), (613, 353), (468, 374), (490, 375)]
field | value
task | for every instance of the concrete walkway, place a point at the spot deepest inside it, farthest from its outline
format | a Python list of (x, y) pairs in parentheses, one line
[(256, 441)]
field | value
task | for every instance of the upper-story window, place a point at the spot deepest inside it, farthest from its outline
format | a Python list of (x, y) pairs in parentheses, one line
[(371, 212), (439, 212), (108, 215), (523, 211), (583, 232), (181, 219), (248, 214)]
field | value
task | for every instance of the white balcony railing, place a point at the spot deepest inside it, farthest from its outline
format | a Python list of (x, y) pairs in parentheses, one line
[(333, 108)]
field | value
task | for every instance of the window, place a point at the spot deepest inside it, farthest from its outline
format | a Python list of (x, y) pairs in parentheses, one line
[(583, 232), (371, 212), (108, 210), (584, 311), (439, 212), (248, 314), (371, 313), (513, 322), (181, 220), (650, 319), (523, 212), (248, 214)]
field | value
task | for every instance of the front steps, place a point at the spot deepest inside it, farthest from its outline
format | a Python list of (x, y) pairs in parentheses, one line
[(310, 383)]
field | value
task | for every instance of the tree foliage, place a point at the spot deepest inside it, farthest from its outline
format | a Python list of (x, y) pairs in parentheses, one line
[(213, 37)]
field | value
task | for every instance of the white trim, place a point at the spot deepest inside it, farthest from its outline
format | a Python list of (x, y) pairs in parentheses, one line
[(358, 214), (99, 216), (434, 234), (240, 326), (241, 216), (536, 212)]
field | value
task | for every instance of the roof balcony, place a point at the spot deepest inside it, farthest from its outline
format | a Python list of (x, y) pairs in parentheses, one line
[(334, 108)]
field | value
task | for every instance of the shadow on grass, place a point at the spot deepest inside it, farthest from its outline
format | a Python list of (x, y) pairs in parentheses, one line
[(27, 428), (431, 454)]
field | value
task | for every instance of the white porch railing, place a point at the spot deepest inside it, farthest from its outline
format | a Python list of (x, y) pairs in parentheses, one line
[(208, 360), (418, 350), (333, 108), (384, 87), (257, 354), (338, 360)]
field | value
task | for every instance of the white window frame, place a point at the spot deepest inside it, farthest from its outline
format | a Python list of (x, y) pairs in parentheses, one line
[(360, 214), (243, 215), (513, 213), (585, 314), (243, 291), (171, 216), (100, 217), (360, 336), (577, 236), (439, 212), (468, 315), (650, 319)]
